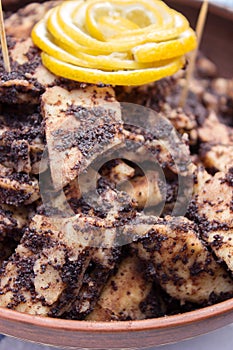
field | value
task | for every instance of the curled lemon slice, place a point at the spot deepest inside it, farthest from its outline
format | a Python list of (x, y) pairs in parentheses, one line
[(108, 27), (104, 20), (45, 42), (152, 33), (118, 42), (96, 76), (150, 52)]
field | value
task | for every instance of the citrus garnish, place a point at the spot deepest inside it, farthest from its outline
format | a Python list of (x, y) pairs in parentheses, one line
[(168, 49), (107, 19), (43, 40), (96, 76), (118, 42), (108, 26)]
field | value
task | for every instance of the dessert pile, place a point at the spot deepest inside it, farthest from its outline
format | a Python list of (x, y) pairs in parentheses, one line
[(105, 214)]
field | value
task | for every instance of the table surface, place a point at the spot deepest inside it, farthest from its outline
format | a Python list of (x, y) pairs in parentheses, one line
[(220, 339)]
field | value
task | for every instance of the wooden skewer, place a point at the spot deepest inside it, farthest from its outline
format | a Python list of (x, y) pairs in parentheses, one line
[(199, 31), (5, 53)]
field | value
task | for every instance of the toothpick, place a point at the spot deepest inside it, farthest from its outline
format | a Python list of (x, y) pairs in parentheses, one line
[(199, 31), (5, 53)]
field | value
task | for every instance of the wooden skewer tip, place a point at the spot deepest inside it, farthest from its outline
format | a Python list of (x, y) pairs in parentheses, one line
[(199, 31), (5, 52)]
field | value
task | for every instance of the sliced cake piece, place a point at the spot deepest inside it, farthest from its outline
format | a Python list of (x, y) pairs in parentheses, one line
[(213, 209), (22, 139), (80, 125), (45, 273), (124, 294), (179, 261), (17, 188), (217, 157), (12, 220), (102, 265), (28, 77)]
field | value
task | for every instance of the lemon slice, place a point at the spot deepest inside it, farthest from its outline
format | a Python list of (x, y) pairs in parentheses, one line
[(65, 41), (129, 14), (150, 52), (44, 41), (122, 43), (109, 27), (118, 42), (151, 33), (161, 12), (142, 14), (77, 33), (96, 76)]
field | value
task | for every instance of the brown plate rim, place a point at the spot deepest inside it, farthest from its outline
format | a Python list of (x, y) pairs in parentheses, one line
[(205, 313)]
